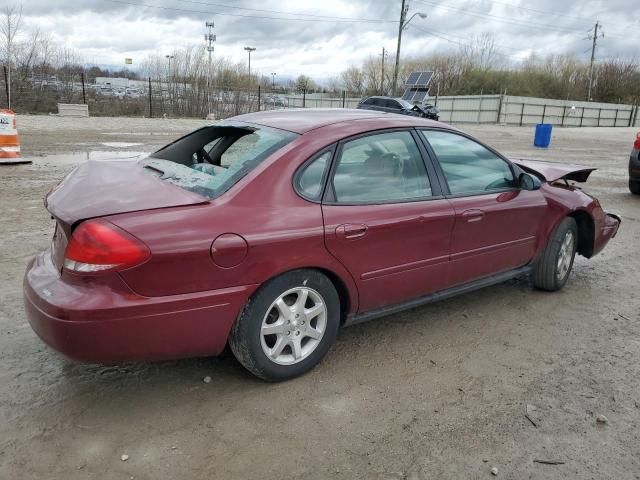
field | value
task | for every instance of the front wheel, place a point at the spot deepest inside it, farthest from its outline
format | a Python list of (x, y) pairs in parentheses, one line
[(634, 187), (288, 326), (554, 265)]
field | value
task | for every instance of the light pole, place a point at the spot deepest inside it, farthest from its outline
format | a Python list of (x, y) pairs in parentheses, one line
[(273, 81), (249, 50), (169, 58), (403, 24), (209, 38)]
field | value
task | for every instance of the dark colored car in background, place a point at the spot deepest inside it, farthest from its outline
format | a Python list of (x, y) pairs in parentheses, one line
[(269, 231), (634, 167), (398, 105)]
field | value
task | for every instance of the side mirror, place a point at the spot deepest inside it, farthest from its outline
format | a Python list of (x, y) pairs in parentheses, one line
[(529, 182)]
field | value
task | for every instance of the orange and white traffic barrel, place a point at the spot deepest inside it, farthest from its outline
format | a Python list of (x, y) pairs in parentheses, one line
[(9, 141)]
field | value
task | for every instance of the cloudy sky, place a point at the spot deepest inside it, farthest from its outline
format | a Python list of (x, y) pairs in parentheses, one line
[(323, 37)]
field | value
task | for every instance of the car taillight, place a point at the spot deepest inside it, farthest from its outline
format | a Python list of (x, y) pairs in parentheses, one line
[(636, 144), (98, 246)]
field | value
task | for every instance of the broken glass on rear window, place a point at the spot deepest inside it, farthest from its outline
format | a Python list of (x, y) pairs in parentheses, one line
[(212, 159)]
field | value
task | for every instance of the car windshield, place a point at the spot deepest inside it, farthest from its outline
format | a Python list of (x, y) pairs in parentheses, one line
[(405, 104), (212, 159)]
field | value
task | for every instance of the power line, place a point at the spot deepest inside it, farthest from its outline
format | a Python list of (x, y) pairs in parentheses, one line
[(488, 16), (209, 12), (445, 37), (329, 17), (534, 10)]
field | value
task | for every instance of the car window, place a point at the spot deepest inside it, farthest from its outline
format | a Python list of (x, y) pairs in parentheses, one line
[(385, 167), (392, 104), (309, 181), (368, 101), (468, 166), (212, 159)]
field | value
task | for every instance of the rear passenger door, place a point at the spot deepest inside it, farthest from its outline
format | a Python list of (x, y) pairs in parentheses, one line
[(496, 222), (385, 218)]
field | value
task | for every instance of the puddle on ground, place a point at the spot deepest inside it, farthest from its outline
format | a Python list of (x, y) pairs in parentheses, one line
[(120, 144), (74, 158)]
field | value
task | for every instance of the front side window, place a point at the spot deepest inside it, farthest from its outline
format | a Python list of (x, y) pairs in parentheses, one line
[(468, 166), (381, 168)]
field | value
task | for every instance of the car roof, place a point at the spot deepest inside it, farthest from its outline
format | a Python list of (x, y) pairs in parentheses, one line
[(303, 120)]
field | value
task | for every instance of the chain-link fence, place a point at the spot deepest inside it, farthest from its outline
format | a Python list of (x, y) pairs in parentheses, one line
[(156, 98)]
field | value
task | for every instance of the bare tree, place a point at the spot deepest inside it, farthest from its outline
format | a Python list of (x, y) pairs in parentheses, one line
[(9, 29)]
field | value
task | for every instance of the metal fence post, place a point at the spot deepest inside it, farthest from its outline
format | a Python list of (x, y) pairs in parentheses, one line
[(615, 120), (581, 116), (84, 95), (521, 113), (258, 97), (633, 107), (635, 116), (453, 102), (304, 97), (500, 109), (6, 85), (544, 112), (344, 98), (599, 113), (150, 102), (564, 114), (479, 109)]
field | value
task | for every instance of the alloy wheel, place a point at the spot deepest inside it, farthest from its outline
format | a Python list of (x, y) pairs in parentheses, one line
[(293, 326)]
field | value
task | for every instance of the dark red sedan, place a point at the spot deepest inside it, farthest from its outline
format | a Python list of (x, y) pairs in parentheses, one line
[(272, 230)]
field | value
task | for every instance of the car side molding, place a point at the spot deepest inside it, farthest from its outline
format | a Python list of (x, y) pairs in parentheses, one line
[(354, 319)]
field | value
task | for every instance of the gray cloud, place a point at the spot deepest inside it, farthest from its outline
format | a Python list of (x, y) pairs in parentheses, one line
[(106, 31)]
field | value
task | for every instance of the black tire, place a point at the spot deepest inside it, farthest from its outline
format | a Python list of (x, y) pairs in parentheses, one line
[(546, 274), (634, 187), (245, 338)]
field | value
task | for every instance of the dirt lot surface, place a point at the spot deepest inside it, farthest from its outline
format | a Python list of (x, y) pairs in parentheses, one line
[(436, 392)]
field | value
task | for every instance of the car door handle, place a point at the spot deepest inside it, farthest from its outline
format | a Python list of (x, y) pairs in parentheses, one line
[(351, 231), (472, 215)]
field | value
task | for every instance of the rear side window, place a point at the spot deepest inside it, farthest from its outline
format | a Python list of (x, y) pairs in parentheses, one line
[(468, 166), (310, 180), (381, 168)]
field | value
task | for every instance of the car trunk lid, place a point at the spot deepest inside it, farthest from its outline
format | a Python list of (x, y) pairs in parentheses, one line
[(99, 188), (552, 172)]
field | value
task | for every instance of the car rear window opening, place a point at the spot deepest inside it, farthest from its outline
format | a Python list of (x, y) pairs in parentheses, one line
[(212, 159)]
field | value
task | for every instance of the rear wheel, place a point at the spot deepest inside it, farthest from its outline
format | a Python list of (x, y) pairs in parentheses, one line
[(554, 265), (288, 326), (634, 187)]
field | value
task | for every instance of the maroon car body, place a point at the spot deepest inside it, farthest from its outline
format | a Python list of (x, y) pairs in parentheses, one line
[(207, 256)]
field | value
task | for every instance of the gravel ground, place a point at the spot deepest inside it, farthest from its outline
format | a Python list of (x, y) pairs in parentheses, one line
[(436, 392)]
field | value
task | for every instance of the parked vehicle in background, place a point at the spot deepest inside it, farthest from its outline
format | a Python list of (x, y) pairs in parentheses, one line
[(269, 231), (398, 105), (634, 167)]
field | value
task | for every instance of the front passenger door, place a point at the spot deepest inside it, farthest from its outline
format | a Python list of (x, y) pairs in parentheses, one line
[(496, 223)]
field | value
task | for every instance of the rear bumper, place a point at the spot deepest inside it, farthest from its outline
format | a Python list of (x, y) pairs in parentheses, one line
[(105, 322)]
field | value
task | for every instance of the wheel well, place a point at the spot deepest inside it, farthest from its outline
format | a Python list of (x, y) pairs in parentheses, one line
[(586, 232), (343, 293)]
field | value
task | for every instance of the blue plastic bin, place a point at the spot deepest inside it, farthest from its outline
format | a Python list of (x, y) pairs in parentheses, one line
[(542, 137)]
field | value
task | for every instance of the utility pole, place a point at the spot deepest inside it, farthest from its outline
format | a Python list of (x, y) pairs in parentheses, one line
[(403, 14), (404, 23), (593, 56), (209, 37), (249, 50), (384, 52)]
